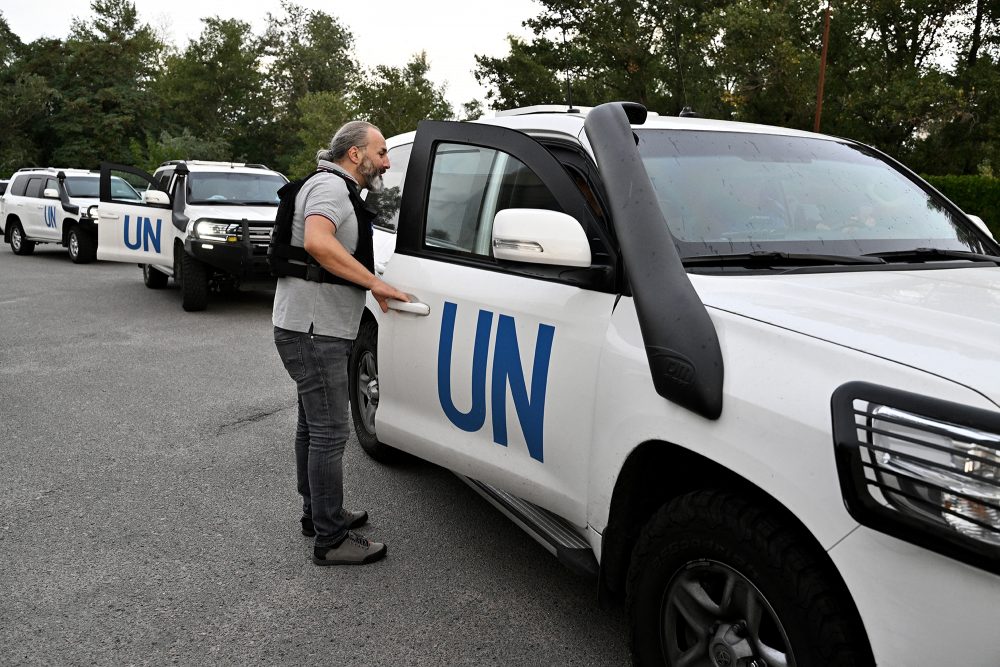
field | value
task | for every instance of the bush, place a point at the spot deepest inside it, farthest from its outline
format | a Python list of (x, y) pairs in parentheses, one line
[(978, 195)]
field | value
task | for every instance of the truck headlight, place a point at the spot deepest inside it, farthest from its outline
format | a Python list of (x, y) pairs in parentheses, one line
[(939, 470), (212, 230), (924, 470)]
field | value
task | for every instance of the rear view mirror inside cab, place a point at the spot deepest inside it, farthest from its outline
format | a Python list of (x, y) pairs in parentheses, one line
[(539, 236)]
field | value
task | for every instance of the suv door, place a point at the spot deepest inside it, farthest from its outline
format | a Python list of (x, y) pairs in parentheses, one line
[(129, 231), (496, 380), (52, 212), (32, 208)]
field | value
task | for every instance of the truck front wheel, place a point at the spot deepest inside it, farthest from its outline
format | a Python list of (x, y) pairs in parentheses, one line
[(363, 378), (194, 283), (716, 580)]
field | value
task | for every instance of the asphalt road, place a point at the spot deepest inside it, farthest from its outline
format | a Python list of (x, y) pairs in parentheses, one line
[(148, 512)]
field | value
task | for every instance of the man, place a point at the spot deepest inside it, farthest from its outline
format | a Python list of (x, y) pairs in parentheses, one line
[(315, 323)]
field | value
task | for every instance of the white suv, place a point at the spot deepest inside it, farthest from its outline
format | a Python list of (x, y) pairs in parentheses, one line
[(749, 377), (207, 224), (48, 205)]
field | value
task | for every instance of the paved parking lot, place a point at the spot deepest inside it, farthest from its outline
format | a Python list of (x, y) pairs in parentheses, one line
[(148, 512)]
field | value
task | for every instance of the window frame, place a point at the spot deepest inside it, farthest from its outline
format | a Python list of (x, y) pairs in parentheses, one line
[(600, 276)]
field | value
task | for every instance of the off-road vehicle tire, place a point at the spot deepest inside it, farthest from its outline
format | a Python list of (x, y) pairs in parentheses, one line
[(82, 246), (194, 283), (18, 244), (152, 278), (716, 576), (363, 383)]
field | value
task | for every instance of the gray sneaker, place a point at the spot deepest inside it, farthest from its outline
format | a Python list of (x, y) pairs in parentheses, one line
[(354, 550), (354, 520)]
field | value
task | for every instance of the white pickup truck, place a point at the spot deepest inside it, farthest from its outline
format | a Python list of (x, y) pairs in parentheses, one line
[(748, 377)]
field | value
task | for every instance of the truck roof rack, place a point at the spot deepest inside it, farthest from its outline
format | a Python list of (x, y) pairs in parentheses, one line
[(213, 163)]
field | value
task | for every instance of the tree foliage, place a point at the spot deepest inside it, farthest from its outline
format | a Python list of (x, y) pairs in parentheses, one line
[(916, 78), (112, 91), (919, 79)]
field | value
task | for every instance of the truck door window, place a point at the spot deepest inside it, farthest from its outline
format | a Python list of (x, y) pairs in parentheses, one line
[(19, 187), (34, 187), (469, 185), (387, 201)]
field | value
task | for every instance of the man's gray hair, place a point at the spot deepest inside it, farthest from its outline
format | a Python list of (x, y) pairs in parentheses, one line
[(353, 133)]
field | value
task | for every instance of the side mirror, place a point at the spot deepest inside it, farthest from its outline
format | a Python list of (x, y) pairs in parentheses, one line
[(982, 225), (50, 193), (537, 236), (157, 197)]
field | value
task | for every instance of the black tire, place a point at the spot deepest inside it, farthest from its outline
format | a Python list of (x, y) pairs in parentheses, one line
[(18, 243), (710, 542), (194, 283), (363, 382), (82, 246), (152, 278)]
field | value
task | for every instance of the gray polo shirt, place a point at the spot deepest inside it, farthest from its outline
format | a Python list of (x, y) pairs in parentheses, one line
[(331, 310)]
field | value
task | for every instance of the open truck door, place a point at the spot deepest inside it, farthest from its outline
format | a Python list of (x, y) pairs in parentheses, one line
[(130, 230)]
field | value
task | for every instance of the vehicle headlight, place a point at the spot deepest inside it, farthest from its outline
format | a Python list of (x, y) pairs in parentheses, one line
[(211, 230), (924, 470)]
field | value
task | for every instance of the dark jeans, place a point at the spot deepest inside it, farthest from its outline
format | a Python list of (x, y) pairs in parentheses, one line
[(318, 364)]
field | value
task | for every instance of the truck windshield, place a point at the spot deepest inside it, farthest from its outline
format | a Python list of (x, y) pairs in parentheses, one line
[(234, 188), (88, 187), (726, 193)]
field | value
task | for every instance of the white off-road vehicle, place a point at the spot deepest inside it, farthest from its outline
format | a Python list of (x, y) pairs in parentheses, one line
[(748, 377), (47, 205), (207, 224)]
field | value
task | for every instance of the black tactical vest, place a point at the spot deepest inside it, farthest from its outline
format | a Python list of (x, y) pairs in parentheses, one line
[(284, 259)]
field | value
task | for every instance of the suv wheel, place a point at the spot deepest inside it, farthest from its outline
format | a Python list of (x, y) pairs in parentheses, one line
[(716, 580), (152, 278), (82, 249), (194, 283), (19, 244), (363, 379)]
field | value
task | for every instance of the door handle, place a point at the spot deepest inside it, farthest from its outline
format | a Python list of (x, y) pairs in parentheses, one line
[(413, 306)]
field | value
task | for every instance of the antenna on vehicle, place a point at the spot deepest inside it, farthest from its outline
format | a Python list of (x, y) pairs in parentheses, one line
[(569, 72)]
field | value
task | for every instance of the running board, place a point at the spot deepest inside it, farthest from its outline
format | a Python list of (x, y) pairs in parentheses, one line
[(550, 530)]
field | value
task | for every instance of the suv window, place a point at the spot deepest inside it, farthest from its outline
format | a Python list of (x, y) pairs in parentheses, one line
[(34, 188), (387, 201), (19, 185), (3, 187), (51, 183), (234, 188), (162, 179), (469, 185)]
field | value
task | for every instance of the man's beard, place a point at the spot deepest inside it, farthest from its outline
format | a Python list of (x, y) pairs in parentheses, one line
[(372, 174)]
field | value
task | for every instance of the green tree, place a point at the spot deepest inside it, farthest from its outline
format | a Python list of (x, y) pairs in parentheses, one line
[(25, 102), (152, 153), (310, 52), (397, 98), (215, 90), (591, 51), (320, 114), (102, 86)]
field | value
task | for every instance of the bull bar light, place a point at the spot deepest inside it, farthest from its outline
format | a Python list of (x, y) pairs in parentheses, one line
[(920, 469)]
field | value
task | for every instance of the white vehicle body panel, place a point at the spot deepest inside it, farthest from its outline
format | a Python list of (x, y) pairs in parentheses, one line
[(788, 341), (920, 608), (412, 418), (135, 233)]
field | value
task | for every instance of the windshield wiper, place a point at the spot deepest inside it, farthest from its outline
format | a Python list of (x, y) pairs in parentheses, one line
[(933, 254), (766, 258)]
